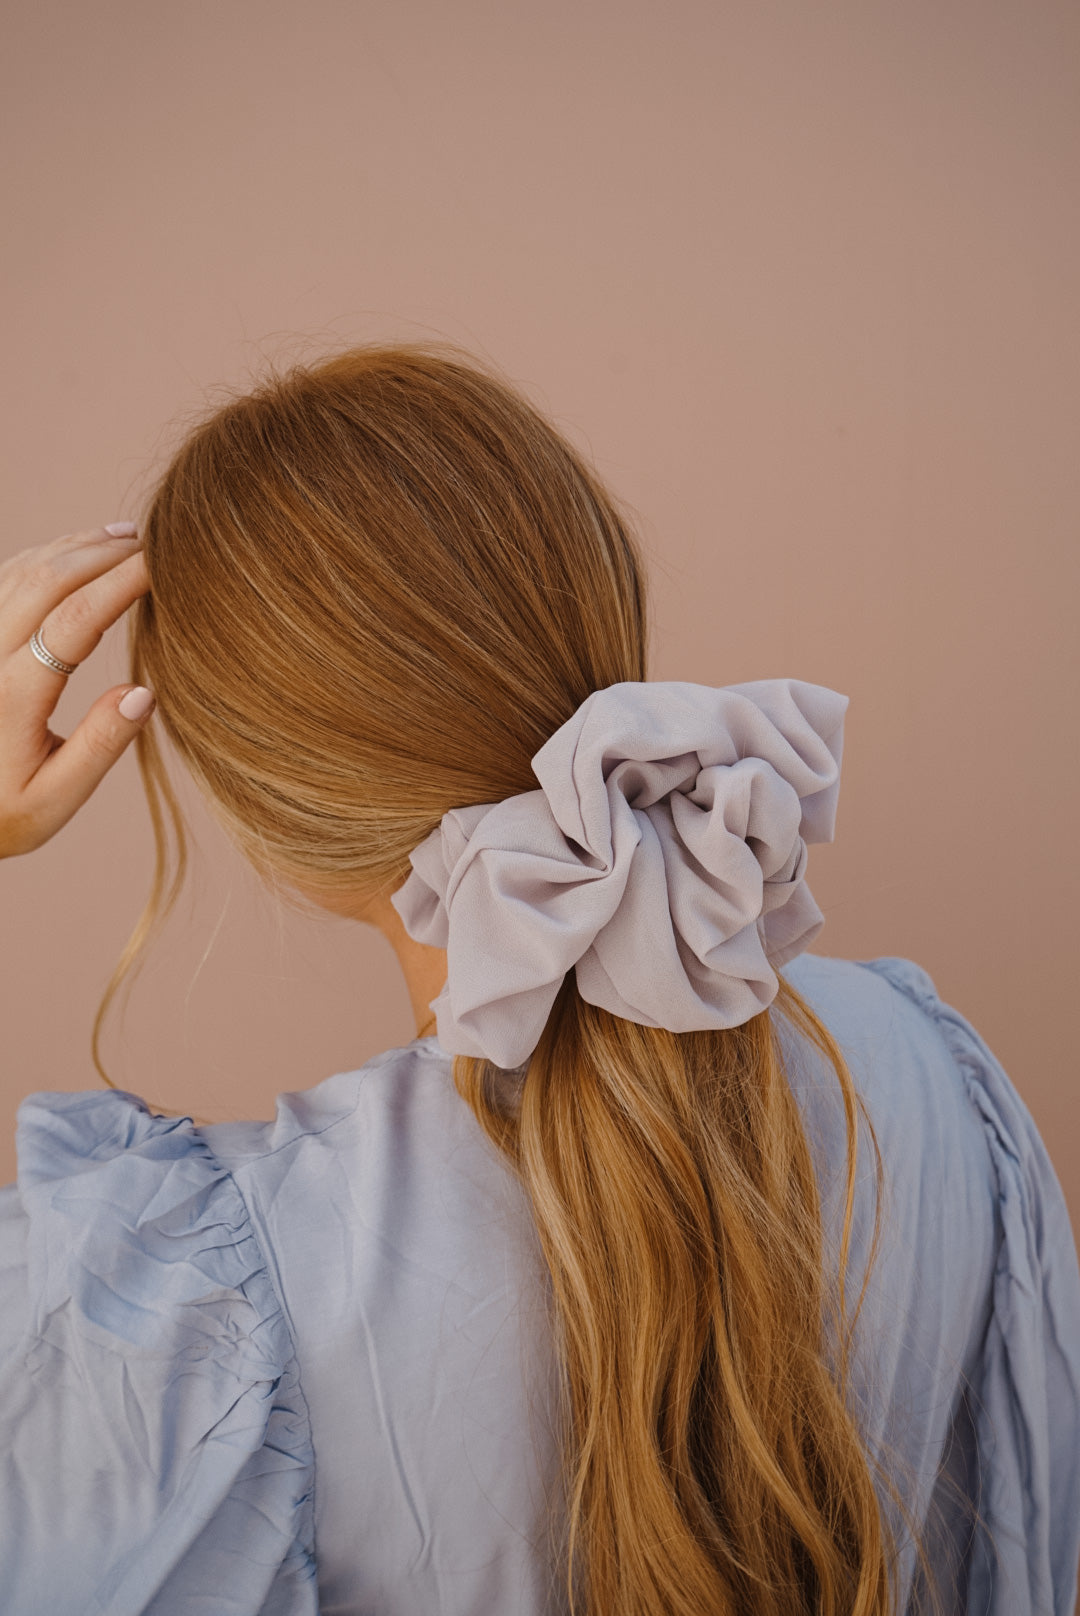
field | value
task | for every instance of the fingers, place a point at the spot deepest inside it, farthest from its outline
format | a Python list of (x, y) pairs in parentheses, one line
[(71, 590), (71, 631), (34, 583), (74, 628), (74, 770)]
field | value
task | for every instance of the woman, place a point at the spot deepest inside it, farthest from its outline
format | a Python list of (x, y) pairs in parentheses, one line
[(646, 1281)]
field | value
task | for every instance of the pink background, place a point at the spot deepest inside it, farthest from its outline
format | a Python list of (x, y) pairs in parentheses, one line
[(801, 279)]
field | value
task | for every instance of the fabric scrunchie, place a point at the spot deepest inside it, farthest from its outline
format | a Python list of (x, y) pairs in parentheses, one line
[(662, 857)]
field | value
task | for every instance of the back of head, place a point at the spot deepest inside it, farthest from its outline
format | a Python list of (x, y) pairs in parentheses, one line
[(379, 584)]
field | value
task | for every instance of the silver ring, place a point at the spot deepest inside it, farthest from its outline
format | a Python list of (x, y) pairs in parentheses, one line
[(38, 647)]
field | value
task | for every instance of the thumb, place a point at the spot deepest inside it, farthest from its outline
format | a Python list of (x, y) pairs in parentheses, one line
[(78, 765), (136, 706)]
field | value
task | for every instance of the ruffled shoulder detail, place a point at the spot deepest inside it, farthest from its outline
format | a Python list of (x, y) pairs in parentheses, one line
[(1026, 1393), (158, 1448)]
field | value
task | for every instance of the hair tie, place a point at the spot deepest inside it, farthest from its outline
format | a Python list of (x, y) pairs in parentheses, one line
[(662, 858)]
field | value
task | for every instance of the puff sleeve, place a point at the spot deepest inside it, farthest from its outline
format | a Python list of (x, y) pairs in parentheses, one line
[(156, 1448), (1025, 1391)]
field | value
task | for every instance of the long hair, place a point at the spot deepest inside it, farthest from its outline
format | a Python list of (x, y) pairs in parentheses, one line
[(379, 583)]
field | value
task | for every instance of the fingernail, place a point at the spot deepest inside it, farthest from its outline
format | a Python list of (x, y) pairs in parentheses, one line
[(122, 530), (137, 703)]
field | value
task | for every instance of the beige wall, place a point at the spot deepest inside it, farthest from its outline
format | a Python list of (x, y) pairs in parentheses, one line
[(801, 278)]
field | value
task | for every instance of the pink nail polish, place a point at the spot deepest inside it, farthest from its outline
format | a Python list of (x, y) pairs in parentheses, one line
[(121, 530), (137, 703)]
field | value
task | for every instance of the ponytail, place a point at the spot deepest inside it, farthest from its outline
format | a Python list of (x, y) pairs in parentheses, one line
[(712, 1464)]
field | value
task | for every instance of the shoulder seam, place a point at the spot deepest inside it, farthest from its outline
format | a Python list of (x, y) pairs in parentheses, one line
[(376, 1063)]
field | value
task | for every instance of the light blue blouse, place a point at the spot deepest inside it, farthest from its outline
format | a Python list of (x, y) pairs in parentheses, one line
[(305, 1365)]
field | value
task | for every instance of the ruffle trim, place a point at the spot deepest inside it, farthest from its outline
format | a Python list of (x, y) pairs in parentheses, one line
[(1027, 1399), (163, 1427)]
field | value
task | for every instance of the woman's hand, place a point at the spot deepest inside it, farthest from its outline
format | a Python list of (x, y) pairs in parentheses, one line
[(71, 590)]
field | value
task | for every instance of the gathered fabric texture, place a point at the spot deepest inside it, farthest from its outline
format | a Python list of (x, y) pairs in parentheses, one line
[(300, 1366), (662, 858), (153, 1424)]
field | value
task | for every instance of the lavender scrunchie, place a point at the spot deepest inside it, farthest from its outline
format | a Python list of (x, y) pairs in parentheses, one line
[(662, 858)]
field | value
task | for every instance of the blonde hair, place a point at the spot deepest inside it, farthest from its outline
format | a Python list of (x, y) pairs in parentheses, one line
[(379, 583)]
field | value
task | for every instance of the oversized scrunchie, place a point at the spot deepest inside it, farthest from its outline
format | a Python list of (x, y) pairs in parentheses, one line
[(663, 858)]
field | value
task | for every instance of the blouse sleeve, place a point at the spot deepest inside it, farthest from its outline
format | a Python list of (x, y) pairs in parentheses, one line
[(1024, 1396), (157, 1453)]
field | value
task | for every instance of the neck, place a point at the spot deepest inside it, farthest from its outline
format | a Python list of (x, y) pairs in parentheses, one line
[(423, 968)]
